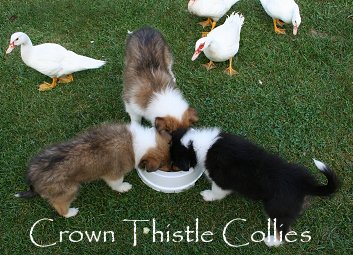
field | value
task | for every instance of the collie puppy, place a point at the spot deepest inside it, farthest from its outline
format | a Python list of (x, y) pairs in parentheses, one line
[(107, 152), (235, 164), (149, 83)]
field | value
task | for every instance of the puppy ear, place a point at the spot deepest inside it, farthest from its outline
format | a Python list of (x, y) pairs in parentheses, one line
[(165, 135), (193, 116), (148, 164), (160, 124)]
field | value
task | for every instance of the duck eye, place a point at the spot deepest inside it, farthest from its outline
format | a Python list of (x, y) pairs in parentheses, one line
[(17, 39)]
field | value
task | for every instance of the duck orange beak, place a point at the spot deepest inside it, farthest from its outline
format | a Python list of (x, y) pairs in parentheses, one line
[(295, 30), (10, 48)]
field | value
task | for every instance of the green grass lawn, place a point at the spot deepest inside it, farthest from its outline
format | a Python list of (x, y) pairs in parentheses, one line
[(301, 109)]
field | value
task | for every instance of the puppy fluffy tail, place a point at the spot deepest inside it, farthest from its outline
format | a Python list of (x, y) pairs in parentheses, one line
[(26, 194), (332, 181)]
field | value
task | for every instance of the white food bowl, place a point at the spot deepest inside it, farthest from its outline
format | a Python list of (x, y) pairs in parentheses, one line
[(170, 182)]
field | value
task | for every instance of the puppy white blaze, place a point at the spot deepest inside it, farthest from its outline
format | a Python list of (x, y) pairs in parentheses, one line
[(142, 140), (322, 167), (167, 102), (202, 140)]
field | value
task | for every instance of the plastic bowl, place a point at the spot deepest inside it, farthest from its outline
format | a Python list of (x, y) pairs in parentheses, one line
[(170, 182)]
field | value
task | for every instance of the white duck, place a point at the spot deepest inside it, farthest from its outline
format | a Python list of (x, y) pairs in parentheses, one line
[(212, 9), (283, 10), (51, 59), (222, 43)]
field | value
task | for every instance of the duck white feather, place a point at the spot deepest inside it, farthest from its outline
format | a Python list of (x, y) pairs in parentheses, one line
[(51, 59), (285, 10), (222, 43), (214, 9)]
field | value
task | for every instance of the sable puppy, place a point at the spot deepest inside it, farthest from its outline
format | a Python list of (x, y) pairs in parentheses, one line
[(107, 152), (235, 164), (149, 84)]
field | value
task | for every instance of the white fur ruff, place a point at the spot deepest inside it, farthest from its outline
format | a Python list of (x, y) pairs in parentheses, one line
[(202, 140), (167, 102), (142, 140)]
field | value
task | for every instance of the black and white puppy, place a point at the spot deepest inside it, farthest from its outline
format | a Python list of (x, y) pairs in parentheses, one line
[(233, 163)]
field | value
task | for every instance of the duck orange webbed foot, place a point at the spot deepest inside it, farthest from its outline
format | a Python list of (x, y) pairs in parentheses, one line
[(205, 23), (280, 22), (66, 79), (47, 86), (210, 65), (213, 26), (229, 70), (278, 30)]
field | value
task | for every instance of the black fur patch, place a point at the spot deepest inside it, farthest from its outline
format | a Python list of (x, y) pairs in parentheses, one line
[(236, 164), (182, 157)]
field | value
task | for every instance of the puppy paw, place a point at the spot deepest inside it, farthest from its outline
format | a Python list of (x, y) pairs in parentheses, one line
[(208, 195), (71, 213), (124, 187), (272, 241)]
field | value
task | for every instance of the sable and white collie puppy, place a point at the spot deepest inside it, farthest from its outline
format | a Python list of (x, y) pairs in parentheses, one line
[(235, 164), (107, 152), (149, 85)]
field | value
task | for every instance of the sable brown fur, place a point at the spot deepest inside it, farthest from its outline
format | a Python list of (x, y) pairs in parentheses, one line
[(157, 158), (105, 152), (170, 123), (148, 64)]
